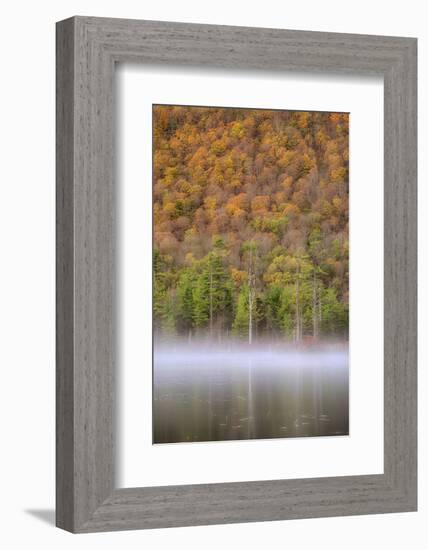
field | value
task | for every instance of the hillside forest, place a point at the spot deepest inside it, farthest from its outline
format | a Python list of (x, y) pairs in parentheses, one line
[(250, 214)]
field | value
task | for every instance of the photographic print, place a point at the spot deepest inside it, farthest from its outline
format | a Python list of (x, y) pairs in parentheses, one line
[(250, 274)]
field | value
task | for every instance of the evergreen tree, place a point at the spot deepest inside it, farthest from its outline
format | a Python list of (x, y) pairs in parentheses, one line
[(185, 300), (240, 323)]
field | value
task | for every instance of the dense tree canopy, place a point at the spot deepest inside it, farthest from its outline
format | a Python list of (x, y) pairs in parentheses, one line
[(250, 223)]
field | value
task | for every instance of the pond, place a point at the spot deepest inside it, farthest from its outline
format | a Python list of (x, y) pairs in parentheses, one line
[(218, 394)]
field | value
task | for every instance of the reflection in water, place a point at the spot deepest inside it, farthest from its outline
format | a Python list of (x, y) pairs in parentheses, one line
[(216, 395)]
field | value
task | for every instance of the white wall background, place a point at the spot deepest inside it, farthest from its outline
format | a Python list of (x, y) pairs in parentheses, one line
[(27, 272)]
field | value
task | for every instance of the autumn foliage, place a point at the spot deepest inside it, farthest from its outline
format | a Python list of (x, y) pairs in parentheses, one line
[(250, 223)]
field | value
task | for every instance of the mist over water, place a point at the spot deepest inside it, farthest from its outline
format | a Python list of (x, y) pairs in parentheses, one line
[(211, 392)]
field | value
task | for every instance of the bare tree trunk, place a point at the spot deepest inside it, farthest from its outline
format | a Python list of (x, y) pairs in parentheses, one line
[(314, 308), (298, 334), (250, 299), (211, 301), (250, 315)]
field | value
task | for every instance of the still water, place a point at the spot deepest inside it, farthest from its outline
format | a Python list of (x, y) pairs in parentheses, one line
[(228, 394)]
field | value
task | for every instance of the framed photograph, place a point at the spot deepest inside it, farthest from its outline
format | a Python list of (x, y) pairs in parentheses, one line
[(250, 267), (236, 274)]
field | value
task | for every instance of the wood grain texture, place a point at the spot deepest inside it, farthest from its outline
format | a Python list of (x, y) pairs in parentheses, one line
[(64, 276), (87, 50)]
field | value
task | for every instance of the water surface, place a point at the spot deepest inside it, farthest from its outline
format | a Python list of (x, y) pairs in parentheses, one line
[(214, 394)]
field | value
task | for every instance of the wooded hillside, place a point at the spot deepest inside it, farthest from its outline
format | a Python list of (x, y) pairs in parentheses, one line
[(250, 223)]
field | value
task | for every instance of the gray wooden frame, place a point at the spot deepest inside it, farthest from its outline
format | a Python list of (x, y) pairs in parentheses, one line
[(87, 50)]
